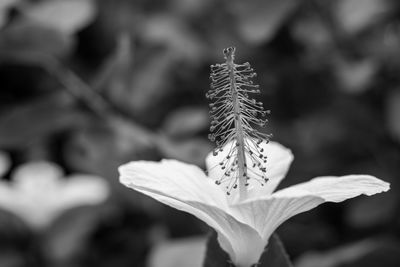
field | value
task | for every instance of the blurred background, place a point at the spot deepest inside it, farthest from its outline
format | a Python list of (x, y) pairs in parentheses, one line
[(86, 86)]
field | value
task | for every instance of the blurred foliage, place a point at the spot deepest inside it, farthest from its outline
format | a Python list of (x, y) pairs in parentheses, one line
[(94, 84)]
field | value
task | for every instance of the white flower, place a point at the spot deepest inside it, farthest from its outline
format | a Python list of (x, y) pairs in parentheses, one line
[(38, 193), (243, 226)]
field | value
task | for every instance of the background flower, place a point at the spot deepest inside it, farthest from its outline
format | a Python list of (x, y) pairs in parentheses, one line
[(38, 192)]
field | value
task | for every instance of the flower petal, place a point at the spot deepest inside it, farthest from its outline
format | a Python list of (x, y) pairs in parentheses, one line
[(185, 187), (173, 178), (266, 214), (337, 189), (279, 159), (243, 243)]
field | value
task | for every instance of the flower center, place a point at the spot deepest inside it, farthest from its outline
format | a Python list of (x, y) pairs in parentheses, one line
[(233, 117)]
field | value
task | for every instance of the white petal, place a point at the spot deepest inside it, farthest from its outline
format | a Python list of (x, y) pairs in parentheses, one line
[(337, 189), (278, 163), (266, 214), (243, 243), (185, 187), (174, 179)]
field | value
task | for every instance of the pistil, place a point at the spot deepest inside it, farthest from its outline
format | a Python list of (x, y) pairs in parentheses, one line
[(233, 115)]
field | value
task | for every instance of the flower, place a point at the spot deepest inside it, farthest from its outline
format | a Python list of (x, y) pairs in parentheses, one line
[(243, 225), (38, 193)]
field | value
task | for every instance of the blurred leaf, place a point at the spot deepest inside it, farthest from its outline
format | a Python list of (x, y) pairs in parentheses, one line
[(114, 80), (69, 235), (102, 146), (258, 20), (186, 122), (318, 131), (15, 240), (172, 32), (371, 212), (10, 258), (337, 256), (114, 77), (386, 254), (366, 253), (274, 255), (215, 256), (151, 83), (355, 76), (32, 122), (312, 32), (356, 15), (384, 44), (193, 150), (190, 8), (135, 89), (393, 113), (120, 240), (4, 6), (5, 163), (66, 17), (24, 36), (12, 229), (178, 253), (296, 232)]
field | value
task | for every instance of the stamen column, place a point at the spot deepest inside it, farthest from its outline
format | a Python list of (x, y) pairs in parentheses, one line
[(241, 155)]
